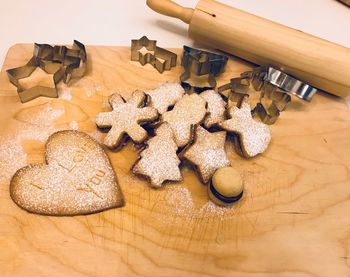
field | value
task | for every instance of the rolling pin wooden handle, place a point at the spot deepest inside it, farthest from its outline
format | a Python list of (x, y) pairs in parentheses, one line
[(169, 8), (320, 63)]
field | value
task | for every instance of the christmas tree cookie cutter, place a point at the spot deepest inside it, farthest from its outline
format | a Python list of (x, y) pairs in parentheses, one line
[(63, 62), (160, 58)]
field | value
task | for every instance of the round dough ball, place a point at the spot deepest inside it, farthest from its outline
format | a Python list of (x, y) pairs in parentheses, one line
[(226, 186)]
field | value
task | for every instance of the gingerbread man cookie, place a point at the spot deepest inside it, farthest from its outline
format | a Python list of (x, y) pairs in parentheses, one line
[(187, 113), (77, 179), (207, 152), (125, 118), (165, 96), (216, 108), (159, 161), (254, 137)]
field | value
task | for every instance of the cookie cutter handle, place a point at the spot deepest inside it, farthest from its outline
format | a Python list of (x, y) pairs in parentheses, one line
[(169, 8)]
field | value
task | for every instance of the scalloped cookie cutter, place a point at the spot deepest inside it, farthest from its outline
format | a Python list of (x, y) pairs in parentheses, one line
[(287, 83), (160, 58), (63, 62)]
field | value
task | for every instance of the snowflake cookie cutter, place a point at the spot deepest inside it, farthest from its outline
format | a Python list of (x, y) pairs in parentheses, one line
[(160, 58)]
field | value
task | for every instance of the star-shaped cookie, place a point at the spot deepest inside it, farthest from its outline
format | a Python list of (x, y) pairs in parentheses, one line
[(189, 111), (207, 152), (159, 161), (254, 137), (125, 118), (216, 108), (165, 96)]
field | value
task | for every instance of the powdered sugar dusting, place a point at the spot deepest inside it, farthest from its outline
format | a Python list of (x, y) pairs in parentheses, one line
[(97, 135), (90, 86), (105, 104), (74, 125), (12, 154), (40, 134), (40, 127), (43, 116), (66, 94), (99, 87), (180, 202), (211, 209), (12, 157), (180, 199)]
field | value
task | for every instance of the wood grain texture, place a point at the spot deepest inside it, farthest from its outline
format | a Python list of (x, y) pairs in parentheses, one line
[(319, 62), (292, 221), (347, 2)]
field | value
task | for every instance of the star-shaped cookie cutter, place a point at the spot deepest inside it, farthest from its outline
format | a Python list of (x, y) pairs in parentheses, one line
[(25, 95), (158, 57), (63, 62), (200, 62)]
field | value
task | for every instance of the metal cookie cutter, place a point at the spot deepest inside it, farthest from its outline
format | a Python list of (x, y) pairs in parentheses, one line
[(73, 60), (272, 100), (200, 62), (238, 91), (25, 71), (160, 58), (63, 62), (286, 82), (238, 85)]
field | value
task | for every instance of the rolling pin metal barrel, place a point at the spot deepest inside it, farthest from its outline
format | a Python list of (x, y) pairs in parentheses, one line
[(322, 64)]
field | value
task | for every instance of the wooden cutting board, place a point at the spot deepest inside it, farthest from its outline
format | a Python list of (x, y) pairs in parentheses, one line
[(294, 219)]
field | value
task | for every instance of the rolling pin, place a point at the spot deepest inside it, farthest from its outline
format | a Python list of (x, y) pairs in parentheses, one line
[(320, 63)]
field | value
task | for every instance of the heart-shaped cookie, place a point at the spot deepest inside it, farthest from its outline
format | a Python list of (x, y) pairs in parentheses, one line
[(77, 179)]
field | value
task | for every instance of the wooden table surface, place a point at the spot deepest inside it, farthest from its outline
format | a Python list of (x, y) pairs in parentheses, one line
[(294, 219)]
